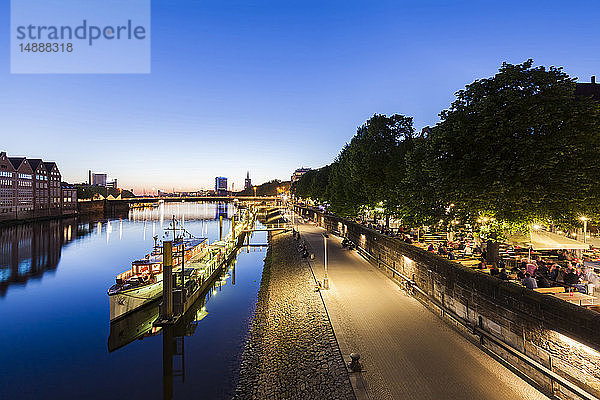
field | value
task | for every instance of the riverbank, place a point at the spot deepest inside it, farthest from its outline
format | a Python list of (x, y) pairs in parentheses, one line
[(291, 351)]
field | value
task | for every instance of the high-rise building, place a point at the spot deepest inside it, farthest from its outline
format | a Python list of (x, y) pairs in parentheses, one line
[(248, 181), (97, 179), (221, 186)]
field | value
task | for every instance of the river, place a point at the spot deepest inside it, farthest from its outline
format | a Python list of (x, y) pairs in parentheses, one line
[(56, 340)]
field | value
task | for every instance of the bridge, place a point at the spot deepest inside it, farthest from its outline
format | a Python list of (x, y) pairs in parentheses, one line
[(195, 199), (109, 207)]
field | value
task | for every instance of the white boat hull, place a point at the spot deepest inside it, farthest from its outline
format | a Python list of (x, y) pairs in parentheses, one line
[(125, 302)]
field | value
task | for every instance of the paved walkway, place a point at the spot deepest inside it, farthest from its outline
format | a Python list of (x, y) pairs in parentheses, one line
[(407, 351)]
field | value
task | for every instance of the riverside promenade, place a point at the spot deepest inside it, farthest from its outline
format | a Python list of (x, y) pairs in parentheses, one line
[(406, 351), (291, 352)]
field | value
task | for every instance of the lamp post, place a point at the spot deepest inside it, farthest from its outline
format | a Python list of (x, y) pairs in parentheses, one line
[(254, 191), (585, 220), (325, 278)]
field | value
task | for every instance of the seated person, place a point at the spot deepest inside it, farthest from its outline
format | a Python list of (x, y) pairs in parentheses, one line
[(529, 282), (542, 281), (531, 268), (572, 279), (553, 272), (542, 268), (503, 275)]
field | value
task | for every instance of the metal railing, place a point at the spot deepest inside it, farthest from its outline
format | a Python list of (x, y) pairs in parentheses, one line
[(483, 334)]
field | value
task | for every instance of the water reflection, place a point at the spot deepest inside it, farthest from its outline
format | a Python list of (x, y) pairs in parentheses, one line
[(187, 211), (139, 325), (60, 330), (29, 250)]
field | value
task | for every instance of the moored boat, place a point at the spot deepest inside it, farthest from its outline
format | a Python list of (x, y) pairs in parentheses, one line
[(142, 283)]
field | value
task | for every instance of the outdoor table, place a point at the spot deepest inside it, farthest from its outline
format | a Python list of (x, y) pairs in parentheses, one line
[(577, 298)]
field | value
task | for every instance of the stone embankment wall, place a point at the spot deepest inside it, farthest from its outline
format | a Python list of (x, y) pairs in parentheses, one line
[(102, 208), (292, 352), (35, 215), (553, 334)]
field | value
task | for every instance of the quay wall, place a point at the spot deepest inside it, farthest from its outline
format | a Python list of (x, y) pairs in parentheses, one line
[(102, 208), (35, 215), (549, 336)]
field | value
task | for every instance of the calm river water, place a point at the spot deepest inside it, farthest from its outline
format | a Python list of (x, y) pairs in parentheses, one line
[(56, 341)]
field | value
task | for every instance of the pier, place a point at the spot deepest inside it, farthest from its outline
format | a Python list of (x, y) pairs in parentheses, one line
[(182, 289)]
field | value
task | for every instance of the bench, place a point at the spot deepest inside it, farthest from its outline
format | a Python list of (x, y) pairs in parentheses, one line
[(559, 289)]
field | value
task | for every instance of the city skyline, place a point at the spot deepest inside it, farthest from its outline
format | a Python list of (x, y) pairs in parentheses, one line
[(271, 88)]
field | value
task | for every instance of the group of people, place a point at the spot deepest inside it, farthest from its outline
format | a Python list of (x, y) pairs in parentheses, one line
[(532, 274), (537, 273), (450, 250), (301, 245)]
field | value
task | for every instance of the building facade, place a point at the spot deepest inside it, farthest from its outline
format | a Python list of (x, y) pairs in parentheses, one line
[(221, 186), (23, 185), (298, 173), (41, 198), (98, 179), (248, 181), (31, 188), (69, 199), (54, 188), (7, 187)]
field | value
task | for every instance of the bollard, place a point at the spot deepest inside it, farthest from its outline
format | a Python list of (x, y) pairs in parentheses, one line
[(167, 306), (354, 365)]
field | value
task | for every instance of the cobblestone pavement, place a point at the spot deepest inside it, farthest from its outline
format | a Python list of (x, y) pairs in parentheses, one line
[(291, 352), (407, 352)]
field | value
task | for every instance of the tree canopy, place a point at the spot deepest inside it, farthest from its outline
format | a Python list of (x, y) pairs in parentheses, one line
[(519, 146)]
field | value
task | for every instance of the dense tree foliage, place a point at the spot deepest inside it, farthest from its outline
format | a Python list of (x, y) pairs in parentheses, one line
[(87, 192), (267, 189), (519, 146)]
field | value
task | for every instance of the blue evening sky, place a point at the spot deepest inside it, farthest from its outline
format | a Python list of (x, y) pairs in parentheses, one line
[(269, 86)]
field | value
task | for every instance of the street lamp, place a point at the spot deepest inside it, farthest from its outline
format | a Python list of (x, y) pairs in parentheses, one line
[(585, 220), (254, 191), (325, 278)]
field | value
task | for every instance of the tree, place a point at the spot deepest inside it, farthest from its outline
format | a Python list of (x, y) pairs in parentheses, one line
[(313, 184), (520, 146)]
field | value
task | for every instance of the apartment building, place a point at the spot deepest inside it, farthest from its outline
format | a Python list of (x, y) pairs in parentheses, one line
[(32, 188)]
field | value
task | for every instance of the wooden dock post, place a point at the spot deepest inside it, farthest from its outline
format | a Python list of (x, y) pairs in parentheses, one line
[(220, 227), (167, 306)]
